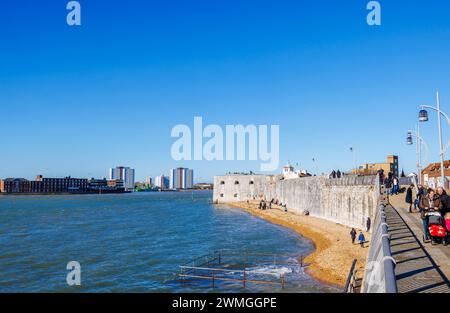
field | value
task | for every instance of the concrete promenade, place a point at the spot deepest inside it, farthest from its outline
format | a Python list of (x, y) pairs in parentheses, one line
[(420, 267)]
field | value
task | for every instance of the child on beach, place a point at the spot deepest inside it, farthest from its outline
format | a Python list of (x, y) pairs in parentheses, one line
[(361, 239)]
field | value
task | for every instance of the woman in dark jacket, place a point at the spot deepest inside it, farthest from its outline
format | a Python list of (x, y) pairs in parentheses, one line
[(409, 198)]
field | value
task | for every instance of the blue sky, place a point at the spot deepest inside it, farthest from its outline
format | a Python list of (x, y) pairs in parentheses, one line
[(78, 100)]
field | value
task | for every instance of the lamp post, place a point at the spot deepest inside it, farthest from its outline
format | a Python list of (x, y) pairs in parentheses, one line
[(419, 142), (423, 117), (316, 166), (352, 150)]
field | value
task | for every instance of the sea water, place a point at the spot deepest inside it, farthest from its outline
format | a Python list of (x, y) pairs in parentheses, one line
[(136, 243)]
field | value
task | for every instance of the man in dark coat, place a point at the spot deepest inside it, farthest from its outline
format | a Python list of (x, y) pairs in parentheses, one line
[(368, 224), (353, 235), (408, 198), (388, 185)]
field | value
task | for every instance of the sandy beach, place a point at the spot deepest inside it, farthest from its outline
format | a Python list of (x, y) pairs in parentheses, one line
[(334, 251)]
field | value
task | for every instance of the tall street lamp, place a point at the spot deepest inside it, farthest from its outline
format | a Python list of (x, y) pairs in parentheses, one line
[(352, 150), (423, 117), (419, 142)]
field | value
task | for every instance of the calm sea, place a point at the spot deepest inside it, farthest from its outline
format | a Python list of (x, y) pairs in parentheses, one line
[(136, 242)]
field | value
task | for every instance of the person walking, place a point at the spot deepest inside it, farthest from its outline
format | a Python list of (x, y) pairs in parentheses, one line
[(396, 186), (353, 235), (361, 239), (368, 224), (419, 195), (388, 185), (380, 174), (408, 198), (429, 203)]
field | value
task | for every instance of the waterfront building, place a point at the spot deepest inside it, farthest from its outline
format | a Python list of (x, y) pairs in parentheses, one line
[(44, 185), (181, 178), (189, 179), (391, 165), (290, 173), (126, 174), (162, 182), (115, 183)]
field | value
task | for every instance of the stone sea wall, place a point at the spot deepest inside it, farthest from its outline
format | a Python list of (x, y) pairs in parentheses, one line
[(348, 201)]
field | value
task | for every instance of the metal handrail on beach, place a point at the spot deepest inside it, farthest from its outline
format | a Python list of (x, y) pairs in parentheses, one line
[(213, 268), (350, 284)]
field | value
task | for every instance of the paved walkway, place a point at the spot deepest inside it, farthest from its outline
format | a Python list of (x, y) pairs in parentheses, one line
[(420, 267)]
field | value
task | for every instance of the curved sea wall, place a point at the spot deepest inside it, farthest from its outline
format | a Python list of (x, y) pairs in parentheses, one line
[(347, 201)]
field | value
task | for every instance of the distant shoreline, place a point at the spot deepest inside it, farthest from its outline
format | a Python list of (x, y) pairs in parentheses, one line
[(93, 193)]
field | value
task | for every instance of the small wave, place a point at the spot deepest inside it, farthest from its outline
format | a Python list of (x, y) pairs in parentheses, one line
[(273, 270)]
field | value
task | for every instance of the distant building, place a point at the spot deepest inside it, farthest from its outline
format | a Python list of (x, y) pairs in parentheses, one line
[(289, 172), (204, 186), (431, 175), (116, 183), (149, 181), (181, 178), (162, 182), (44, 185), (105, 185), (391, 165), (125, 174)]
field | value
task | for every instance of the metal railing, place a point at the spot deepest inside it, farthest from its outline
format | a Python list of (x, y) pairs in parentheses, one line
[(380, 268), (351, 284), (229, 267)]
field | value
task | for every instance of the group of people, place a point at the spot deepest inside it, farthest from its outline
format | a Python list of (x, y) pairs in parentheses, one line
[(263, 205), (429, 201), (336, 174), (361, 237), (391, 182)]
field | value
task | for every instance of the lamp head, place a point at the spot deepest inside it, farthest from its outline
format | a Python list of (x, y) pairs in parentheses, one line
[(423, 115), (409, 140)]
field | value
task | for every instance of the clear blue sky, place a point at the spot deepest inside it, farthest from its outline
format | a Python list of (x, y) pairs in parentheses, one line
[(78, 100)]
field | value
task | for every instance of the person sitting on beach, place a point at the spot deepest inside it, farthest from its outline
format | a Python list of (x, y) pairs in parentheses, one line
[(353, 235), (361, 239)]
